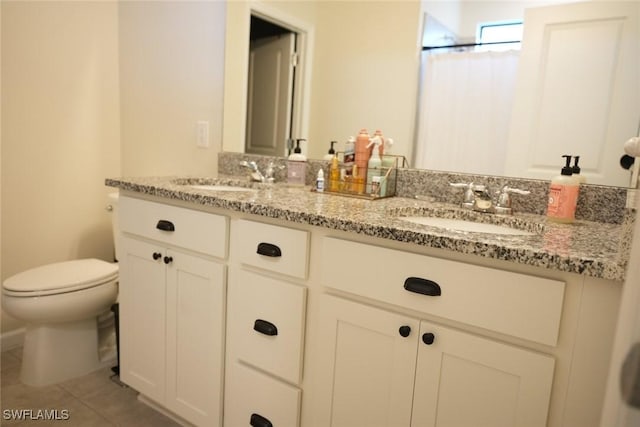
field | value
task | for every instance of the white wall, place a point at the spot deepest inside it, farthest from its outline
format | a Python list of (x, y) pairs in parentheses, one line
[(60, 133), (171, 76)]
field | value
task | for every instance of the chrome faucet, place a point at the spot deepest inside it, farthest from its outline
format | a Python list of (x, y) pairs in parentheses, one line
[(478, 198), (254, 172), (256, 175)]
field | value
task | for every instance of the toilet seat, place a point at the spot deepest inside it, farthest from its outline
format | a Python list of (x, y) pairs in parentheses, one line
[(61, 277)]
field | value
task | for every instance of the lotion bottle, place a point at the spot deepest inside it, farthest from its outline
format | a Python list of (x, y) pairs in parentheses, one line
[(563, 195), (374, 164), (362, 153), (320, 181), (297, 166)]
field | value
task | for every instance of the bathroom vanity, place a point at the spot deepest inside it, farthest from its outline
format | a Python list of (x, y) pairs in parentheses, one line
[(280, 306)]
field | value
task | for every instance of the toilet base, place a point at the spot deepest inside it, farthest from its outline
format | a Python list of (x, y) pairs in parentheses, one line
[(57, 352)]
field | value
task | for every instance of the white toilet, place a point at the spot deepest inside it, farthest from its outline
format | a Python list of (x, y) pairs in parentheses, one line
[(60, 304)]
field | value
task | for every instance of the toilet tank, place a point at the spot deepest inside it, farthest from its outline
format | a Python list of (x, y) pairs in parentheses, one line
[(112, 207)]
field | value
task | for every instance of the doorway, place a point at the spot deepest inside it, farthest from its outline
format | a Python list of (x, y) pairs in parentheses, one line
[(271, 88)]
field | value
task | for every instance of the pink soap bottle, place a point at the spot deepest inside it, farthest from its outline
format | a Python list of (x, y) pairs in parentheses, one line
[(563, 195), (362, 153)]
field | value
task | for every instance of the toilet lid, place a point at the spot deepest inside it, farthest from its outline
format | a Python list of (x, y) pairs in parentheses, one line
[(62, 277)]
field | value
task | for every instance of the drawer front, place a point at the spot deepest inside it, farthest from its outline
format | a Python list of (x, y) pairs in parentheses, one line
[(266, 323), (511, 303), (251, 394), (186, 228), (273, 248)]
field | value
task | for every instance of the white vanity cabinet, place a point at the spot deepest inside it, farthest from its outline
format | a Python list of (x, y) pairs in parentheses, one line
[(266, 307), (172, 307), (379, 367)]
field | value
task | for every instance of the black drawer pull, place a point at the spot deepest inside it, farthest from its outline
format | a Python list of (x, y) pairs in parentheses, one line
[(269, 249), (265, 327), (428, 338), (259, 421), (165, 225), (422, 286)]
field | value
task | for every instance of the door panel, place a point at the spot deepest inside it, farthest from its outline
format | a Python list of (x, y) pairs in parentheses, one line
[(465, 380), (142, 302), (368, 367), (270, 95), (578, 90)]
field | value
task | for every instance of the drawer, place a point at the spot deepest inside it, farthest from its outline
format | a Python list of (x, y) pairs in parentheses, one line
[(280, 249), (515, 304), (250, 393), (195, 230), (266, 323)]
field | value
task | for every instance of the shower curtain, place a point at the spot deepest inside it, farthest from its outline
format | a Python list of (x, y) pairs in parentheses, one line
[(464, 111)]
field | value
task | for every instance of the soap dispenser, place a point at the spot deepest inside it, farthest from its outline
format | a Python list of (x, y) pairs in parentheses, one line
[(297, 166), (331, 153), (563, 195), (576, 171)]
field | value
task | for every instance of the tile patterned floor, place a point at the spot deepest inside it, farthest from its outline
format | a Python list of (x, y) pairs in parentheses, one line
[(93, 400)]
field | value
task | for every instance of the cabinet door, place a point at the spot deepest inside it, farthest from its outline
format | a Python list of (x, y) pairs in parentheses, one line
[(195, 340), (367, 366), (464, 380), (142, 316)]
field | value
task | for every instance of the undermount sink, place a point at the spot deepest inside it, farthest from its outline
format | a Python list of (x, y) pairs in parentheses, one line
[(215, 187), (465, 225)]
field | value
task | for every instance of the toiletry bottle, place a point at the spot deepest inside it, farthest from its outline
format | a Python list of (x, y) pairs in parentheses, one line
[(576, 171), (349, 156), (362, 153), (374, 165), (331, 153), (334, 174), (297, 166), (320, 181), (563, 195), (388, 161), (357, 181)]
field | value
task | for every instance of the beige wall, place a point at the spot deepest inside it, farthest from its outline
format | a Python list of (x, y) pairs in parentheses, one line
[(364, 71), (93, 90), (60, 134), (171, 76)]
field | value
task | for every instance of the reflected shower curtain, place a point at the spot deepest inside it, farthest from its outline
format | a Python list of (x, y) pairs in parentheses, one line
[(464, 111)]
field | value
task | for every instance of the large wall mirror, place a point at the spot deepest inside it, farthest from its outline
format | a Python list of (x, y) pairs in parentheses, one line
[(361, 68)]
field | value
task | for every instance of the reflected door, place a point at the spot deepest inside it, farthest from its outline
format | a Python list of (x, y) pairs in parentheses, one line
[(578, 90), (270, 95)]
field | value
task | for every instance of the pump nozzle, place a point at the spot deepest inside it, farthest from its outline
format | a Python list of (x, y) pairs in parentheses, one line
[(298, 149), (567, 169), (331, 150)]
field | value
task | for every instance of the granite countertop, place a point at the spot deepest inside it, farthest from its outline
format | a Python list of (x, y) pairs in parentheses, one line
[(594, 249)]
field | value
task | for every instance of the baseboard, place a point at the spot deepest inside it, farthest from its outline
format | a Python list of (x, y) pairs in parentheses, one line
[(12, 339)]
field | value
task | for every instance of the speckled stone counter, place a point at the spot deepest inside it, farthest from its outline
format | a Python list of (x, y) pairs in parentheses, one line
[(596, 249)]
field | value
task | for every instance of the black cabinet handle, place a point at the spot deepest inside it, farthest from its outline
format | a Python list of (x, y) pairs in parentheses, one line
[(269, 249), (428, 338), (165, 225), (265, 327), (259, 421), (157, 255), (422, 286), (404, 331), (168, 260)]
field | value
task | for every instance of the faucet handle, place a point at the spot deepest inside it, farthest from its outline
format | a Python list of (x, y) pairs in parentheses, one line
[(503, 205), (468, 200)]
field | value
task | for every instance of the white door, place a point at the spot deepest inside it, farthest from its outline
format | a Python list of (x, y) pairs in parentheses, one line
[(142, 318), (368, 367), (270, 94), (467, 381), (616, 412), (195, 338), (578, 90)]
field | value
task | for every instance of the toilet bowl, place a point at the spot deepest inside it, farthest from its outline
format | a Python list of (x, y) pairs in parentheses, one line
[(60, 304)]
